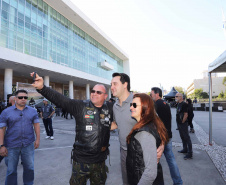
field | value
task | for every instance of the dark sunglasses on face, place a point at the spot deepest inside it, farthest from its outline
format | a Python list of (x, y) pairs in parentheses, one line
[(98, 92), (22, 97), (134, 105)]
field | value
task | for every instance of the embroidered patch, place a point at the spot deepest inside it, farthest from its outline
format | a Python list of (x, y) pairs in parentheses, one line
[(101, 116), (102, 121), (105, 111), (89, 128), (89, 116), (90, 112), (90, 108)]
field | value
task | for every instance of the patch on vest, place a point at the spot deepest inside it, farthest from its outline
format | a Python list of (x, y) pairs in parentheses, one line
[(90, 108), (105, 111), (89, 128), (101, 116), (89, 116), (90, 112)]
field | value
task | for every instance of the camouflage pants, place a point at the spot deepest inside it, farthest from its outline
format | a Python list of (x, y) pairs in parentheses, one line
[(81, 172)]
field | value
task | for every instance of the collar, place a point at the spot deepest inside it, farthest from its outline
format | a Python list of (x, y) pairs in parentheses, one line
[(128, 99), (14, 107)]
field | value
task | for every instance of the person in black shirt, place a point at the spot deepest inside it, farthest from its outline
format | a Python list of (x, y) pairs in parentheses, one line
[(190, 115), (164, 113), (93, 123), (182, 123)]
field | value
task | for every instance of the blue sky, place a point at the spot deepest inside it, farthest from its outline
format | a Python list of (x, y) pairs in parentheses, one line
[(168, 42)]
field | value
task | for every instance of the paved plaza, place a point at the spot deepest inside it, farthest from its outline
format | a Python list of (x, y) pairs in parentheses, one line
[(208, 166)]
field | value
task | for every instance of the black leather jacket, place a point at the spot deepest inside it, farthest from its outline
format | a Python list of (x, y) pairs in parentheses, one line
[(92, 126), (135, 162)]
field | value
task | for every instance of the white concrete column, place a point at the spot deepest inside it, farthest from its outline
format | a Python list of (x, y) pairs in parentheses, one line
[(109, 93), (126, 67), (46, 81), (8, 82), (71, 90), (87, 91)]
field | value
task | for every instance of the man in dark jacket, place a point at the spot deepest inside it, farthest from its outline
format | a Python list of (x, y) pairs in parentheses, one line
[(182, 123), (164, 113), (93, 122)]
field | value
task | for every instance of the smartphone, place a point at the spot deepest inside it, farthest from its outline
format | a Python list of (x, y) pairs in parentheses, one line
[(34, 76)]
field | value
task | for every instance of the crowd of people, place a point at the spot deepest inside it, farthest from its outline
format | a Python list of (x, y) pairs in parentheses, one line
[(143, 123)]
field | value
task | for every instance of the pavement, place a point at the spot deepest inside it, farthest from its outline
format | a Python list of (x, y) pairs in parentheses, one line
[(208, 166)]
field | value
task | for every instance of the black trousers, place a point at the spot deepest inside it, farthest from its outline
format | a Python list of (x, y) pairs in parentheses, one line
[(190, 123), (48, 126), (184, 135), (70, 115)]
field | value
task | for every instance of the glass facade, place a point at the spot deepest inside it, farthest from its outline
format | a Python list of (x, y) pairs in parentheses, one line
[(34, 28)]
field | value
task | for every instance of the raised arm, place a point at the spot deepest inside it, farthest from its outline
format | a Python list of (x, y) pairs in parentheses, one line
[(58, 99)]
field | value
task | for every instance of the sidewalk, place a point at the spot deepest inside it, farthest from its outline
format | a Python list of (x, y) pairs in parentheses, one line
[(53, 167)]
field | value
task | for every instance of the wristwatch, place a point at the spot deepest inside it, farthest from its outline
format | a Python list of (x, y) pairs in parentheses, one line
[(1, 146)]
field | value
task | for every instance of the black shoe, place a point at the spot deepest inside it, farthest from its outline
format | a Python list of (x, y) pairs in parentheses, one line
[(177, 129), (188, 156), (183, 151)]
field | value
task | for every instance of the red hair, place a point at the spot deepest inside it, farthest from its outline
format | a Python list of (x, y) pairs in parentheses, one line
[(148, 114)]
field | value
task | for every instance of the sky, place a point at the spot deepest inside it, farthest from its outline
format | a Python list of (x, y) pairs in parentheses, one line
[(169, 43)]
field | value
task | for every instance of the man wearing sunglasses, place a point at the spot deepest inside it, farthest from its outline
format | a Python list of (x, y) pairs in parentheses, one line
[(120, 87), (93, 123), (17, 138), (182, 123), (11, 103)]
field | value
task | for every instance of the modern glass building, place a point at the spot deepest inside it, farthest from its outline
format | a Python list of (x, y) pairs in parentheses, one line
[(58, 41)]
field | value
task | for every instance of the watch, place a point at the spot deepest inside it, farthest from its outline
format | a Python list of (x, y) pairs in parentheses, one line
[(1, 146)]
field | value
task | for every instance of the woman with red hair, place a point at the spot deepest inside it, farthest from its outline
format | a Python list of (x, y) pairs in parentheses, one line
[(145, 137)]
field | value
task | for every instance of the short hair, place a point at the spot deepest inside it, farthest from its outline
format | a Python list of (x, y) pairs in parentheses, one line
[(103, 87), (189, 101), (21, 91), (123, 78), (157, 90)]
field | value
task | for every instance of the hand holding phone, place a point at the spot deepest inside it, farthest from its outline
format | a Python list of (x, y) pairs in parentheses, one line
[(38, 81), (34, 76)]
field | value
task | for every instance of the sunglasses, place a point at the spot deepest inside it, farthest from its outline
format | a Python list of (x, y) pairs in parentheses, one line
[(134, 105), (22, 97), (98, 92)]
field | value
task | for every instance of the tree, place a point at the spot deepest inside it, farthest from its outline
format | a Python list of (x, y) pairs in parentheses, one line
[(198, 93), (224, 81), (204, 95), (135, 91), (221, 95), (225, 94), (179, 89)]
